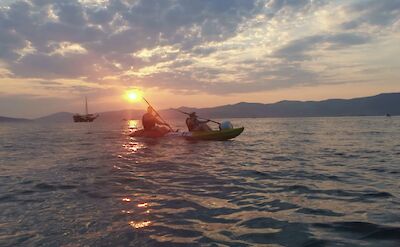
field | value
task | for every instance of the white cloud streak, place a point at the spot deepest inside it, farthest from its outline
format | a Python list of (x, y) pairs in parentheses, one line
[(217, 47)]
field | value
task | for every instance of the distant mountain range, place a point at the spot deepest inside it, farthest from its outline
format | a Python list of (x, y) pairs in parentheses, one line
[(56, 117), (10, 119), (379, 105)]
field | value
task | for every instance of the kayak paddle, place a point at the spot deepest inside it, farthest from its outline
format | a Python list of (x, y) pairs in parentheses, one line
[(198, 116)]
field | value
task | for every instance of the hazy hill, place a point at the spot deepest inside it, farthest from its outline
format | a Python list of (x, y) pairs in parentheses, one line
[(12, 120), (56, 117), (377, 105), (103, 116)]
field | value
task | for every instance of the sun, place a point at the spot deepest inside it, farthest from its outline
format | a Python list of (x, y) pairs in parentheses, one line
[(133, 95)]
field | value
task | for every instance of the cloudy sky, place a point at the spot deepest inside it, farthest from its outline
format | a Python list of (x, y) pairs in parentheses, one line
[(193, 52)]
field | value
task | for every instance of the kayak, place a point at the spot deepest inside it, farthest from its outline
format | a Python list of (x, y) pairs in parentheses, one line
[(148, 133), (215, 135)]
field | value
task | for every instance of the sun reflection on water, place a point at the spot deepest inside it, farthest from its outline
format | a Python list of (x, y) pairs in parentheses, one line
[(137, 211), (132, 124), (127, 211), (139, 224), (143, 205), (133, 147)]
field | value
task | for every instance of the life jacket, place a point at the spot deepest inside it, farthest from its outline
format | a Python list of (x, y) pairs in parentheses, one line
[(148, 121), (192, 124)]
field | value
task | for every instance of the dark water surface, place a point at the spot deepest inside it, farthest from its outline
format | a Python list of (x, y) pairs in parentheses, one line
[(283, 182)]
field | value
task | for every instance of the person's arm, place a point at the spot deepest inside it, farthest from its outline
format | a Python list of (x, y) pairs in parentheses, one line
[(203, 122)]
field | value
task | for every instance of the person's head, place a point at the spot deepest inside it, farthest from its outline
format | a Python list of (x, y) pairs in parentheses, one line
[(193, 115), (150, 110)]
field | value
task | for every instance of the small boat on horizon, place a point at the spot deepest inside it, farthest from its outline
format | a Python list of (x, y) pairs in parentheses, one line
[(78, 118)]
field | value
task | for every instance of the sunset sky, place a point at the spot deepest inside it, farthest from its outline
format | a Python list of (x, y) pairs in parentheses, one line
[(193, 52)]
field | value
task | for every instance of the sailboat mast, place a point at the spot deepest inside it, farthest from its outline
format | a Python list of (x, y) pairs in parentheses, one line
[(86, 107)]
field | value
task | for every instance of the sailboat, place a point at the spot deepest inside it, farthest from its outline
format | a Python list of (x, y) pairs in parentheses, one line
[(87, 117)]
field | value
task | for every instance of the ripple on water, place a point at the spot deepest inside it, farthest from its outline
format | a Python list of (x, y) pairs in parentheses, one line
[(287, 182), (363, 230)]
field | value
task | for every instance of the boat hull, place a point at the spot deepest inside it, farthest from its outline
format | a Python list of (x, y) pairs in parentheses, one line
[(148, 133), (84, 118), (216, 135)]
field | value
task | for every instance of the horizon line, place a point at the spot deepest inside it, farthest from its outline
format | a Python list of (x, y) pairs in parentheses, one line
[(242, 102)]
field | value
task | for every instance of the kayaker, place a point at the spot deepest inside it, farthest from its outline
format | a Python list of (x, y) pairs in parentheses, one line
[(151, 122), (194, 124)]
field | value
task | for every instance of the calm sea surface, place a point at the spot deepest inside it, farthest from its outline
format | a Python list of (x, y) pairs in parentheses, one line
[(283, 182)]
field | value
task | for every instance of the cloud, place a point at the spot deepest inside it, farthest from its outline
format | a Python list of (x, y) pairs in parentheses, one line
[(212, 46), (374, 13), (280, 4), (70, 12), (54, 66), (49, 83), (112, 30), (298, 50)]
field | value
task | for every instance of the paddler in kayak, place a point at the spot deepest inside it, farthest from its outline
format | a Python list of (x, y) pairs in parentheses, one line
[(194, 124), (150, 122)]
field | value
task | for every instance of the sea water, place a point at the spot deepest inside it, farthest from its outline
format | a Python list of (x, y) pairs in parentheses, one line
[(283, 182)]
